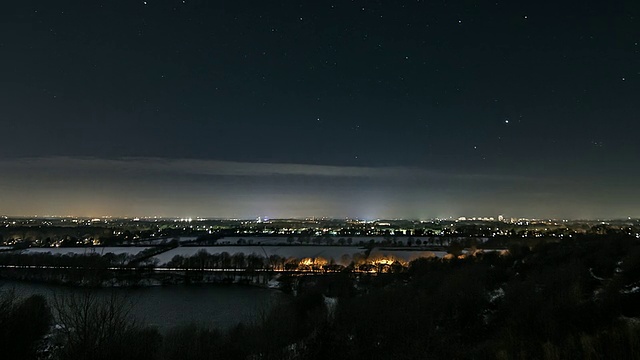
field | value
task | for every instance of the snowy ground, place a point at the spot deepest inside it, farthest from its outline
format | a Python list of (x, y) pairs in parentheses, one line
[(85, 250), (263, 240)]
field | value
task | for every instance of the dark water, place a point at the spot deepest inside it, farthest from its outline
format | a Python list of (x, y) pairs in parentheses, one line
[(166, 306)]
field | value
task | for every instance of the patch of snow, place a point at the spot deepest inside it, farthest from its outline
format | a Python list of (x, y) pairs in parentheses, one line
[(274, 284), (487, 316), (594, 275), (495, 295), (631, 290), (255, 240), (597, 293), (331, 304), (630, 320)]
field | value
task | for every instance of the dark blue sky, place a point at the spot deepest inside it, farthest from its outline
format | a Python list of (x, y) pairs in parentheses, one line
[(475, 107)]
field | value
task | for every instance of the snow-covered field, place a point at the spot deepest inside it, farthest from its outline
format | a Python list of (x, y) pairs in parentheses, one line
[(164, 240), (263, 240), (85, 250)]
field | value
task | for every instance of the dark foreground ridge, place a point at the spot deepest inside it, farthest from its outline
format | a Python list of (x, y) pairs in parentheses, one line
[(575, 298)]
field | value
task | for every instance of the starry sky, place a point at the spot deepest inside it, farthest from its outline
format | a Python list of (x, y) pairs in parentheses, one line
[(367, 109)]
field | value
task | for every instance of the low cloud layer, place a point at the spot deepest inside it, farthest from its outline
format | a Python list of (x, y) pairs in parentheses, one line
[(191, 187), (223, 168)]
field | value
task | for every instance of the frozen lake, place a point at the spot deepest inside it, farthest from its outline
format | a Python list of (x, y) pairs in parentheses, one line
[(167, 306)]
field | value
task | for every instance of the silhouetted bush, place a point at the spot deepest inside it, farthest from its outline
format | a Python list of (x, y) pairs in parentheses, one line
[(23, 324)]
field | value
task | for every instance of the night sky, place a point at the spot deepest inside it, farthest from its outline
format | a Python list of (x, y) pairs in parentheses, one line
[(368, 109)]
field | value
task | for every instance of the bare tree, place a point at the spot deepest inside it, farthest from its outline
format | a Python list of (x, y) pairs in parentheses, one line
[(99, 327)]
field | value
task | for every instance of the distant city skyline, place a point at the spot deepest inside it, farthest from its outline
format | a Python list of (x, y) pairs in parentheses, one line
[(360, 109)]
